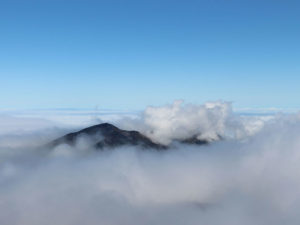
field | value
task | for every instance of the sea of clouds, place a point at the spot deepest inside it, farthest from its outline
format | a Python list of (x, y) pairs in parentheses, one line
[(248, 174)]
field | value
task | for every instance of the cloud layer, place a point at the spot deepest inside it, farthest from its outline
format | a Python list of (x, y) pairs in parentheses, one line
[(251, 177)]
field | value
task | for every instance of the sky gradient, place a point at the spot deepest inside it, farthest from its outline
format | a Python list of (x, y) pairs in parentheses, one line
[(129, 54)]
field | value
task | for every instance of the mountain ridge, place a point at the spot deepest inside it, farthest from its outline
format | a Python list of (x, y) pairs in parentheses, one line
[(106, 135)]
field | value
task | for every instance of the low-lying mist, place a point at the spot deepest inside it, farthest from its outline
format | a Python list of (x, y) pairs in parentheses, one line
[(250, 176)]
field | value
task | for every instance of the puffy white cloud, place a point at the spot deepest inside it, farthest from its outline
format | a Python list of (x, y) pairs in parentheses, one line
[(209, 121)]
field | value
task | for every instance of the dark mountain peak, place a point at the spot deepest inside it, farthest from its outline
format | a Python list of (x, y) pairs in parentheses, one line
[(106, 135), (109, 136), (103, 127), (194, 140)]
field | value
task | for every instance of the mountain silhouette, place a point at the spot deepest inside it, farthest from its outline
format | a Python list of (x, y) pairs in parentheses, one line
[(106, 135)]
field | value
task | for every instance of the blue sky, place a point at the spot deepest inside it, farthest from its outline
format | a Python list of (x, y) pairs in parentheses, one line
[(130, 54)]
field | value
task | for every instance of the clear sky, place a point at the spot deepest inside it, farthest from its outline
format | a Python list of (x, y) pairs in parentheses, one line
[(128, 54)]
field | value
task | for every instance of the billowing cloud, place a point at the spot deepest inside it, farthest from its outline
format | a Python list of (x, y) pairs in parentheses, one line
[(209, 121)]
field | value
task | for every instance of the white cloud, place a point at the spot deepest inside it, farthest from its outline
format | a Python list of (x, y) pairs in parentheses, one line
[(253, 180), (209, 121)]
